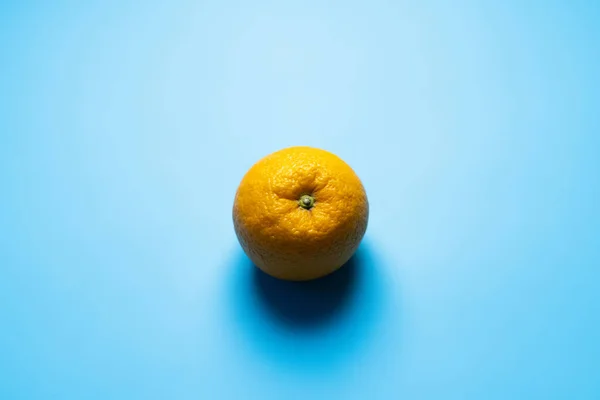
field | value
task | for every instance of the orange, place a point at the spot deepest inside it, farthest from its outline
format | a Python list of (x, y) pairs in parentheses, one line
[(300, 213)]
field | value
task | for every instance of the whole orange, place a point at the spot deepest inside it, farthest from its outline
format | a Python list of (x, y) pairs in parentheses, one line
[(300, 213)]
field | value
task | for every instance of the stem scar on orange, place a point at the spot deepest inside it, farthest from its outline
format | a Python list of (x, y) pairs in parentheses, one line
[(300, 213)]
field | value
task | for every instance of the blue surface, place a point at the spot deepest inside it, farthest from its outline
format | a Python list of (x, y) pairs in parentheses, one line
[(126, 126)]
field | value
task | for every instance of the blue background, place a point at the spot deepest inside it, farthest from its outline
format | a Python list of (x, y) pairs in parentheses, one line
[(126, 126)]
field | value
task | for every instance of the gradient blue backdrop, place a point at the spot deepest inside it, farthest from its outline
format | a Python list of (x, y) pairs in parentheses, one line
[(125, 127)]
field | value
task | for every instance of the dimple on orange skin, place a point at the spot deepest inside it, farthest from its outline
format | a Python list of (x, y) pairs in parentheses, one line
[(287, 239)]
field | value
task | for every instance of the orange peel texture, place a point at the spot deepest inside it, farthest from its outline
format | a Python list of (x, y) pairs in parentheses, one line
[(300, 213)]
